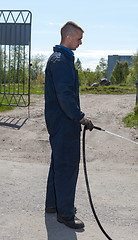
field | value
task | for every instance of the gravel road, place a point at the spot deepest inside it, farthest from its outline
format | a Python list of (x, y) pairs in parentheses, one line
[(112, 164)]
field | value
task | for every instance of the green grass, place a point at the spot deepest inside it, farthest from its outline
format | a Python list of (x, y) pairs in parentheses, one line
[(14, 88), (34, 89), (112, 89), (37, 89), (5, 108), (131, 120)]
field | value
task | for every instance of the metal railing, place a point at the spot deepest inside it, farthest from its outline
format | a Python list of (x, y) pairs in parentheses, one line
[(15, 57)]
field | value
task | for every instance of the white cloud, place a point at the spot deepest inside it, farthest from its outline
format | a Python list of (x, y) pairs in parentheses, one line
[(38, 52), (51, 23), (90, 58), (55, 23)]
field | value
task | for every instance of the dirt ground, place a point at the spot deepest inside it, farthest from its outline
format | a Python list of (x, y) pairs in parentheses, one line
[(112, 168)]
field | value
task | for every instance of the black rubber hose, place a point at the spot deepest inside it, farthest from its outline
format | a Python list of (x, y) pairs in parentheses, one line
[(88, 188)]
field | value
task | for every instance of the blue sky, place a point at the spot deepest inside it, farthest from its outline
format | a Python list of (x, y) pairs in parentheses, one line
[(110, 27)]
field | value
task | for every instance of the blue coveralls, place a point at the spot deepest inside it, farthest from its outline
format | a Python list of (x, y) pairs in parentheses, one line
[(62, 114)]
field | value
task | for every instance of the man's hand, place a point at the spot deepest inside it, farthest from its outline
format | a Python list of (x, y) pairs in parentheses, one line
[(87, 122)]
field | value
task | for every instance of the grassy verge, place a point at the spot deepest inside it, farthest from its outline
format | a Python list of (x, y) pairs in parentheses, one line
[(112, 89), (131, 120)]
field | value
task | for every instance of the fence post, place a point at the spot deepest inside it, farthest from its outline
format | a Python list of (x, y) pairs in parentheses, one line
[(137, 88)]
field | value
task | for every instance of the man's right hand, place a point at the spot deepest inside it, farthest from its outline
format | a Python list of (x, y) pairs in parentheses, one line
[(87, 122)]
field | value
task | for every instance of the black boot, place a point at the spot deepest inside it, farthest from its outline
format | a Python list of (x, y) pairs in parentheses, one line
[(72, 223)]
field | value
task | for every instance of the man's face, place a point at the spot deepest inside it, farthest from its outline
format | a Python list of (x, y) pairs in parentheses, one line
[(75, 40)]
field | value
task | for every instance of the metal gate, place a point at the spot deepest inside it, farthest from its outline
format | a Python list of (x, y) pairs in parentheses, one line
[(15, 55)]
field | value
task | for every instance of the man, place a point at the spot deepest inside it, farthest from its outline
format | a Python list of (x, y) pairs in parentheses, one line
[(63, 119)]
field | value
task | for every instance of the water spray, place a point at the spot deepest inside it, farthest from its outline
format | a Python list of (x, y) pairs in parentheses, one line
[(98, 128)]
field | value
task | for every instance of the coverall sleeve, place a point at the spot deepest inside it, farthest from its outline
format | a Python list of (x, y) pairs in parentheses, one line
[(65, 87)]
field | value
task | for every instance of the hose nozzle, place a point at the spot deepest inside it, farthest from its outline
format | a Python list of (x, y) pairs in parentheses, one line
[(98, 128)]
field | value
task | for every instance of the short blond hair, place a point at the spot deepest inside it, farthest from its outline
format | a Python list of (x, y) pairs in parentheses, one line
[(70, 28)]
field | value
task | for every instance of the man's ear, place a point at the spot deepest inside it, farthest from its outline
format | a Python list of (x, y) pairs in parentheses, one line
[(69, 38)]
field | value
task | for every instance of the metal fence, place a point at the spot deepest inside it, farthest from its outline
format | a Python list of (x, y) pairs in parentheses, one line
[(15, 57)]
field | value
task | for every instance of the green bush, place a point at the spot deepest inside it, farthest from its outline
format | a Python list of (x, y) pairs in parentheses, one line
[(131, 120), (136, 109), (120, 73)]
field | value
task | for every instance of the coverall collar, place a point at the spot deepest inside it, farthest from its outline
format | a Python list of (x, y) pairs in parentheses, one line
[(64, 50), (67, 49)]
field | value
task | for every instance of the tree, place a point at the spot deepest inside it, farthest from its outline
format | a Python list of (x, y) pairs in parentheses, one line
[(78, 64), (17, 70), (98, 74), (131, 78), (1, 66), (103, 67), (133, 70), (135, 65), (81, 76), (13, 67), (101, 70), (89, 77), (37, 69), (120, 73)]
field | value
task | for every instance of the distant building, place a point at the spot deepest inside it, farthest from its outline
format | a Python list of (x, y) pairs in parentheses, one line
[(112, 60)]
